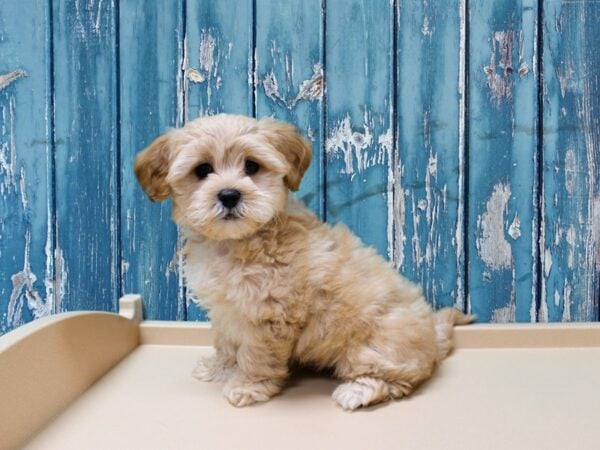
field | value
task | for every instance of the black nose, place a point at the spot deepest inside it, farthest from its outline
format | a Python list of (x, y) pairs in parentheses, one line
[(229, 197)]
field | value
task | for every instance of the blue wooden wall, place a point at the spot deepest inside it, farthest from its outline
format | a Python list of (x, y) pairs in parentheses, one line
[(461, 138)]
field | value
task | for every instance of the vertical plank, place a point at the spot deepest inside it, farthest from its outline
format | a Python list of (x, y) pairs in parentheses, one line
[(430, 204), (571, 191), (87, 154), (502, 213), (359, 105), (289, 68), (26, 228), (219, 67), (220, 57), (151, 59)]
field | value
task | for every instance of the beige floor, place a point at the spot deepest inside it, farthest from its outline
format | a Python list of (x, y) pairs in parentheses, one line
[(479, 399)]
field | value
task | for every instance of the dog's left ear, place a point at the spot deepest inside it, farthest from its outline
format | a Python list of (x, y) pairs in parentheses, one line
[(296, 149), (152, 166)]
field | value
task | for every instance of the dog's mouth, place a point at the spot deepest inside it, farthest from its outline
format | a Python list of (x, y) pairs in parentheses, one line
[(231, 215)]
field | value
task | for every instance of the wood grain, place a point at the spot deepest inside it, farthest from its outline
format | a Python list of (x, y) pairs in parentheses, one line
[(27, 284), (359, 104), (151, 88), (87, 152), (571, 193), (502, 171), (429, 206), (290, 78)]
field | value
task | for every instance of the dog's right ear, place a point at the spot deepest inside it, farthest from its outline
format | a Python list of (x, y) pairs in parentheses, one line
[(152, 166)]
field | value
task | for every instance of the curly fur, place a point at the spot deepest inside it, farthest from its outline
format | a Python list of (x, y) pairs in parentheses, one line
[(280, 286)]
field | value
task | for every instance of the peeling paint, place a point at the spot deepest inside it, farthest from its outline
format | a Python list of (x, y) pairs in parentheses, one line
[(386, 143), (571, 239), (460, 300), (195, 76), (124, 267), (182, 82), (356, 147), (566, 76), (24, 292), (49, 273), (492, 246), (515, 228), (523, 69), (547, 262), (506, 314), (400, 219), (61, 276), (253, 74), (543, 312), (173, 265), (500, 84), (570, 171), (425, 28), (415, 241), (207, 61), (272, 87), (207, 50), (594, 245), (567, 291), (311, 89), (8, 151), (23, 189), (8, 78)]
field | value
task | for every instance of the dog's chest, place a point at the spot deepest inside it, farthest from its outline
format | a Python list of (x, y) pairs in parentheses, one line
[(207, 267), (218, 276)]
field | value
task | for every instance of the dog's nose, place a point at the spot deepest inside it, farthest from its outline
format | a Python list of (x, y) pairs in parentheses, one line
[(229, 197)]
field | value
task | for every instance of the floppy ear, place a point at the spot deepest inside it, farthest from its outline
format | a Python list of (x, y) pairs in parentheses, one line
[(286, 139), (152, 166)]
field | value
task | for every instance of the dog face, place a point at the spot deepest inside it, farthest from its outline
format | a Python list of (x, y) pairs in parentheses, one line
[(228, 175)]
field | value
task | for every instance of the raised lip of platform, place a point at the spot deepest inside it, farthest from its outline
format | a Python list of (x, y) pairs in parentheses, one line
[(50, 362), (478, 336), (133, 333)]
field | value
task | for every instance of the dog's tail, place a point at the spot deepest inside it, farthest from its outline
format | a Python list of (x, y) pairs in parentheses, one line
[(445, 319)]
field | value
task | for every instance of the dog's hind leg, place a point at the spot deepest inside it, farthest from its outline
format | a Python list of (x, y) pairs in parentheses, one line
[(365, 391)]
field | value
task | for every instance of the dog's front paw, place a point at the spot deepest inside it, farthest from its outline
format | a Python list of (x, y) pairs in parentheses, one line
[(245, 395), (209, 368)]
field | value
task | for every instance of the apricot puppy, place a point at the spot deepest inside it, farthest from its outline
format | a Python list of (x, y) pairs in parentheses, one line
[(280, 286)]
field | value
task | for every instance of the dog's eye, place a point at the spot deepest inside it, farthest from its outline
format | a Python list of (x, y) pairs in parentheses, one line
[(203, 170), (251, 167)]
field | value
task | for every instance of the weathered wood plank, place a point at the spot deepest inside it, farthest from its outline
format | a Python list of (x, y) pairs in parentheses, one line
[(359, 105), (571, 191), (86, 138), (502, 213), (429, 203), (289, 70), (219, 67), (219, 58), (151, 83), (26, 226)]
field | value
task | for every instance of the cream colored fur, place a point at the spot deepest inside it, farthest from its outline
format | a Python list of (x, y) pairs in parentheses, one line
[(281, 287)]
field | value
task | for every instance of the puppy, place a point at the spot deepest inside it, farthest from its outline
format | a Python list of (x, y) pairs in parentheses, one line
[(280, 286)]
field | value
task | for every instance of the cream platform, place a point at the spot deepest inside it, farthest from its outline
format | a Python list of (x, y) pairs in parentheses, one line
[(90, 380)]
